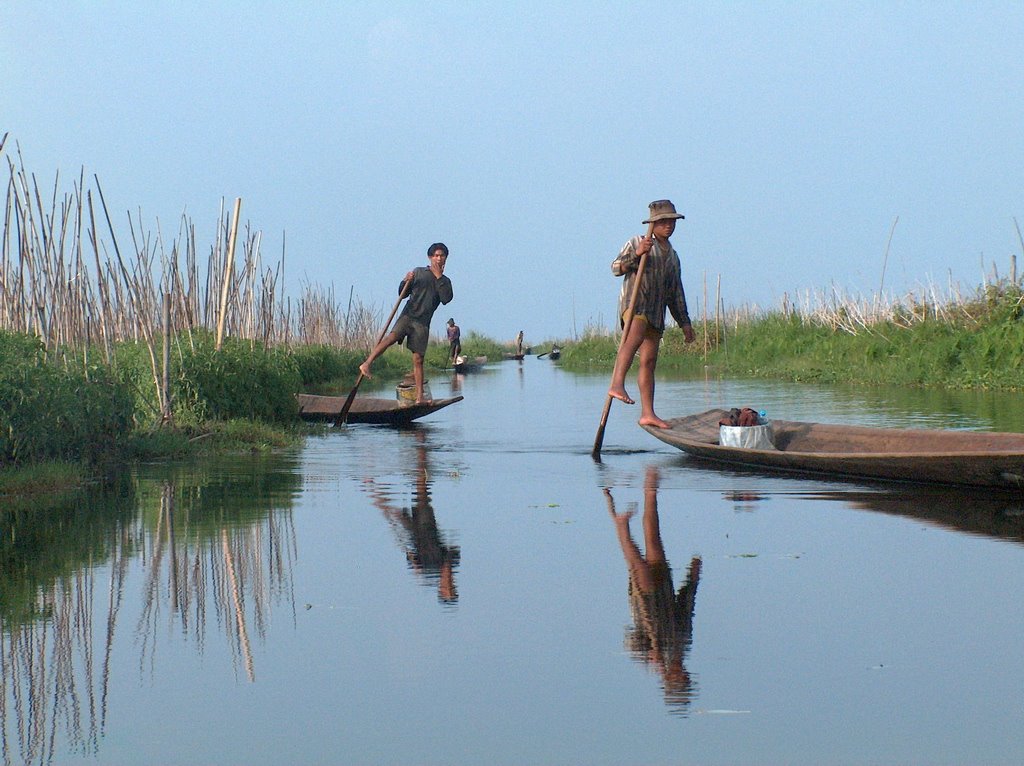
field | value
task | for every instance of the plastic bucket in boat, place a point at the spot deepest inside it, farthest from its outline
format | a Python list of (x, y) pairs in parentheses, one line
[(747, 437)]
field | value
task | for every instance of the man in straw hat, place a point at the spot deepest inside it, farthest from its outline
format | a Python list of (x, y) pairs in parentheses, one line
[(661, 287)]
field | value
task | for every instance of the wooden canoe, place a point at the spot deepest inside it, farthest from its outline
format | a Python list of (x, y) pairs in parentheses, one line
[(971, 458), (316, 408), (462, 364)]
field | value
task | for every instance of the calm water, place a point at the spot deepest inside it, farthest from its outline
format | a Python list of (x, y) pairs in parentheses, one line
[(479, 590)]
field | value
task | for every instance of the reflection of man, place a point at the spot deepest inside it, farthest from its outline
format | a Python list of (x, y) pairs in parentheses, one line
[(662, 618), (425, 548)]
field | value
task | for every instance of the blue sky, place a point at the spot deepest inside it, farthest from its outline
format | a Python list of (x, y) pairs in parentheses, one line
[(530, 137)]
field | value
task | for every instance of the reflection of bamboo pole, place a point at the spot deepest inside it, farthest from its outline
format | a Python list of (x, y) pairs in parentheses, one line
[(167, 509), (239, 611)]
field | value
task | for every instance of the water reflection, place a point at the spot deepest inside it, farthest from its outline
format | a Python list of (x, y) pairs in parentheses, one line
[(974, 512), (217, 555), (745, 500), (55, 646), (428, 553), (979, 511), (212, 545), (662, 629)]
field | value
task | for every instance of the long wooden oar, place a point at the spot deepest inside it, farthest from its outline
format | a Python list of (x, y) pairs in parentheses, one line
[(627, 322), (359, 379)]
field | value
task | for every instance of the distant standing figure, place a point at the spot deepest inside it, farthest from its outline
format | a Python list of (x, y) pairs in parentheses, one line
[(454, 340), (429, 288), (661, 287), (519, 343)]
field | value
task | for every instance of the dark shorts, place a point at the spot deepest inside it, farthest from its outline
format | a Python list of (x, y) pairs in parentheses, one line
[(639, 318), (414, 334)]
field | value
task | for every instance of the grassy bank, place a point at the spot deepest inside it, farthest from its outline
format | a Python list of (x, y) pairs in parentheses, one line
[(63, 422), (976, 342)]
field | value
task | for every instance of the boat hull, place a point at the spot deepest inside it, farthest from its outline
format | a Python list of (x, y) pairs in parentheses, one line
[(968, 458), (316, 408)]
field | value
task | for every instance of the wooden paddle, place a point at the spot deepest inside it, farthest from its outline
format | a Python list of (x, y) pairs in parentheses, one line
[(359, 379), (627, 322)]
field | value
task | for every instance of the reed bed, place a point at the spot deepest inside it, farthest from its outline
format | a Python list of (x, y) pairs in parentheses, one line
[(71, 278)]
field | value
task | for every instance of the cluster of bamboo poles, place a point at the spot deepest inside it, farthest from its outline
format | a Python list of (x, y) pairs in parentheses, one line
[(68, 277)]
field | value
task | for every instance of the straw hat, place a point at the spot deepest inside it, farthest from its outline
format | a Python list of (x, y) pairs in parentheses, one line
[(662, 209)]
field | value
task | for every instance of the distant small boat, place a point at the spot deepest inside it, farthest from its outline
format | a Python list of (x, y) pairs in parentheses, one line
[(555, 352), (316, 408), (463, 364), (939, 456), (517, 357)]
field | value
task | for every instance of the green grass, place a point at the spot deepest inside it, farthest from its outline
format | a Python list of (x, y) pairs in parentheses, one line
[(49, 477), (978, 346)]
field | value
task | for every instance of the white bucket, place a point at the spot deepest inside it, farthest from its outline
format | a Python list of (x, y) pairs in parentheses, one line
[(747, 437)]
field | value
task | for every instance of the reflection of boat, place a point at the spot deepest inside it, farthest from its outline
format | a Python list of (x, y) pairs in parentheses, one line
[(964, 510), (973, 458), (314, 407), (465, 364)]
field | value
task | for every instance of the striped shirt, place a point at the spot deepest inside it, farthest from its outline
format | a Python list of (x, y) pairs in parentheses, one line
[(660, 288)]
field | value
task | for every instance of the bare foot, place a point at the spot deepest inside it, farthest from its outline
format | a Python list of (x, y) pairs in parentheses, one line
[(424, 401), (364, 370), (653, 420), (621, 395)]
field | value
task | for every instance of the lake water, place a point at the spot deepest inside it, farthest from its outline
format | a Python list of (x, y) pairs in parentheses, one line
[(479, 590)]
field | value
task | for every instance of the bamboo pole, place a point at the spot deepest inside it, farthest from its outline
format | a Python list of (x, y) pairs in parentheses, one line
[(228, 263), (166, 392), (704, 313)]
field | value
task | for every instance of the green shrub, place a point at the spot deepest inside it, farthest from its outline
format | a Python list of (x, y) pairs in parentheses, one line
[(319, 364), (52, 412), (241, 380)]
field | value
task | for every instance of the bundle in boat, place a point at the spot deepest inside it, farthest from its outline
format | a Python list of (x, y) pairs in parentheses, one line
[(745, 428)]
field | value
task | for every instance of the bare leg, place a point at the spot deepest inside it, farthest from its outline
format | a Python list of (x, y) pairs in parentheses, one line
[(623, 360), (380, 348), (645, 378), (417, 376)]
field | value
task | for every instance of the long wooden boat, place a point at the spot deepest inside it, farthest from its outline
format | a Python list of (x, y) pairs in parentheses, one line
[(317, 408), (972, 458)]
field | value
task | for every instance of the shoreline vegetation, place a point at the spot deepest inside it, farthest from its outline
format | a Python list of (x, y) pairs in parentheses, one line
[(119, 345)]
